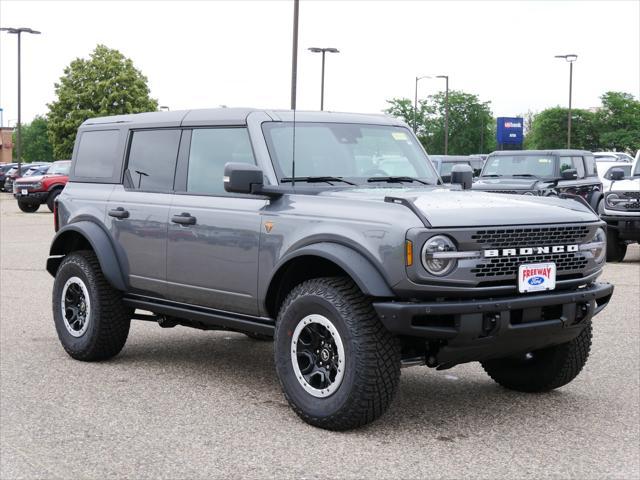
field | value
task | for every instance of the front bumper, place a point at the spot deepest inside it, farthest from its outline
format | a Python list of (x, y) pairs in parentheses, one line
[(628, 226), (32, 197), (473, 330)]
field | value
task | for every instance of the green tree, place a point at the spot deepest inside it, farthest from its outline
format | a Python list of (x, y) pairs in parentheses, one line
[(549, 130), (471, 124), (34, 141), (105, 84), (618, 122)]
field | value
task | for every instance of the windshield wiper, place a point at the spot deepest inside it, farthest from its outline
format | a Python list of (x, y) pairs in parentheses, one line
[(523, 175), (396, 180), (491, 175), (316, 180)]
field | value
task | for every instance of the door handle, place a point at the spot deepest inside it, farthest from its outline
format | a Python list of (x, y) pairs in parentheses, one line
[(119, 213), (184, 219)]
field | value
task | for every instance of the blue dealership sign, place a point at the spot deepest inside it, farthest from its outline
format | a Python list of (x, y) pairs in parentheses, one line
[(509, 130)]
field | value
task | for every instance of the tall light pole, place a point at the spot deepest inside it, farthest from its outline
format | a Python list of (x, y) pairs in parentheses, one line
[(323, 51), (294, 55), (446, 113), (19, 32), (415, 103), (571, 57)]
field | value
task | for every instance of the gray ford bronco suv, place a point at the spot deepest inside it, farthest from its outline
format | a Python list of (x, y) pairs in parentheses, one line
[(331, 233)]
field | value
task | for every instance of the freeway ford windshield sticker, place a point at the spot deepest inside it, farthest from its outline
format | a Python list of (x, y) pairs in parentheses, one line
[(536, 277)]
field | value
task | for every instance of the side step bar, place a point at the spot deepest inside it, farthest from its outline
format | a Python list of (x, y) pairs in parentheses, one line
[(200, 317)]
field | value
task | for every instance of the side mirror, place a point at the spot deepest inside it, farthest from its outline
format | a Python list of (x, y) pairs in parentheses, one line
[(242, 178), (617, 174), (462, 174), (569, 174)]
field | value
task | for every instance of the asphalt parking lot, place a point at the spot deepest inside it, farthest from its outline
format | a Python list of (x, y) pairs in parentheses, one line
[(181, 403)]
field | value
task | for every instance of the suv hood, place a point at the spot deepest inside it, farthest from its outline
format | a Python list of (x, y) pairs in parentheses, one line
[(505, 183), (629, 185), (466, 208), (37, 178)]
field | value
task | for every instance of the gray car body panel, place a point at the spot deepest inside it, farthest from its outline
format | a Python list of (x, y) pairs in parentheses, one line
[(228, 259)]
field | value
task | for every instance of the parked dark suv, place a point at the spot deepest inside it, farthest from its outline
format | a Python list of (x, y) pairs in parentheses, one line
[(542, 173), (332, 233), (444, 164)]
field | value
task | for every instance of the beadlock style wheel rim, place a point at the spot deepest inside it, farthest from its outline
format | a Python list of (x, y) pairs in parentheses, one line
[(75, 306), (317, 355)]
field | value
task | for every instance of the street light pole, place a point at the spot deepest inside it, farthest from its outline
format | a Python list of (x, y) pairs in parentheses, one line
[(323, 51), (446, 113), (294, 55), (569, 58), (19, 31), (415, 104)]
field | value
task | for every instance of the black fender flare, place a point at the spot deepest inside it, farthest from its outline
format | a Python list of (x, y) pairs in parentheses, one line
[(101, 245), (594, 199), (56, 186), (357, 266)]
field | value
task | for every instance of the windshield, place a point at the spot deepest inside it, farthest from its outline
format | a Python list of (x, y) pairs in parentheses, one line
[(59, 168), (347, 150), (519, 165)]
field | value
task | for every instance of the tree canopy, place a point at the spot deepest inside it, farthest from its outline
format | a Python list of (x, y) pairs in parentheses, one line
[(105, 84), (618, 122), (34, 142), (471, 124), (549, 130)]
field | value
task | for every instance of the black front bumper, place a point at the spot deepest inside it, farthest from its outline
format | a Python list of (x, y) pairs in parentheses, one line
[(472, 330), (32, 197), (628, 227)]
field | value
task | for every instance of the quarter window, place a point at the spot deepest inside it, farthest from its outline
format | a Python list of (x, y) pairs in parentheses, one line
[(211, 149), (575, 163), (152, 160), (96, 156)]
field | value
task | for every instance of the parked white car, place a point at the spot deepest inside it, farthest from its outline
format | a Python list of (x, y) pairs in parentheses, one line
[(613, 157), (621, 210)]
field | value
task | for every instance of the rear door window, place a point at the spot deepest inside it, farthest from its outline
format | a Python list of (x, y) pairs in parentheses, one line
[(152, 160)]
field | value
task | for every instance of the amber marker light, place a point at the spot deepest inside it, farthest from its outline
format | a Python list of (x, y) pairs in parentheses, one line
[(409, 253)]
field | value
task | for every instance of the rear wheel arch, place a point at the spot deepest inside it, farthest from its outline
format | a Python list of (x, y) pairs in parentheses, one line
[(86, 235), (323, 260)]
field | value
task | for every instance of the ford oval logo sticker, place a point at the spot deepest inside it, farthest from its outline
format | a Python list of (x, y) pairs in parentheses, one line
[(536, 280)]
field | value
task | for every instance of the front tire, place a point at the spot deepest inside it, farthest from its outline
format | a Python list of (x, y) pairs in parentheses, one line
[(28, 207), (338, 366), (542, 370), (91, 321), (616, 249), (52, 198)]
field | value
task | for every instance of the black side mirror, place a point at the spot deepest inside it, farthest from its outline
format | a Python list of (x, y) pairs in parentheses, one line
[(462, 174), (569, 174), (242, 178), (617, 174)]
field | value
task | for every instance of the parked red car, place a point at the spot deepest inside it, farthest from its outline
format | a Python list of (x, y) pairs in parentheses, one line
[(31, 192)]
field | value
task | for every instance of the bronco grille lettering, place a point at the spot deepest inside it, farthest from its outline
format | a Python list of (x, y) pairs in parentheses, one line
[(513, 252)]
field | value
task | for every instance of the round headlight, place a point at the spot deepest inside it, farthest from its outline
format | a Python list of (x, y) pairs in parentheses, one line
[(433, 264), (37, 185), (610, 199), (600, 252)]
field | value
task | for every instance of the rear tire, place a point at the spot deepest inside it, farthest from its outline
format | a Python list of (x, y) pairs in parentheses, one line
[(347, 365), (28, 207), (542, 370), (616, 249), (90, 318), (52, 198)]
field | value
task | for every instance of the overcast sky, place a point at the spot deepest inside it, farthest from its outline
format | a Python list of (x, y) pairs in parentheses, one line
[(210, 53)]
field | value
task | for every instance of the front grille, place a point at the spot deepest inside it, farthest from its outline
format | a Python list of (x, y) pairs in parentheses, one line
[(632, 195), (529, 237), (507, 266), (632, 205), (24, 185)]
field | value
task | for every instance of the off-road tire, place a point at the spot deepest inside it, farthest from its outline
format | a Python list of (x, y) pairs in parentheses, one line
[(52, 198), (108, 325), (547, 369), (616, 249), (28, 207), (372, 355)]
